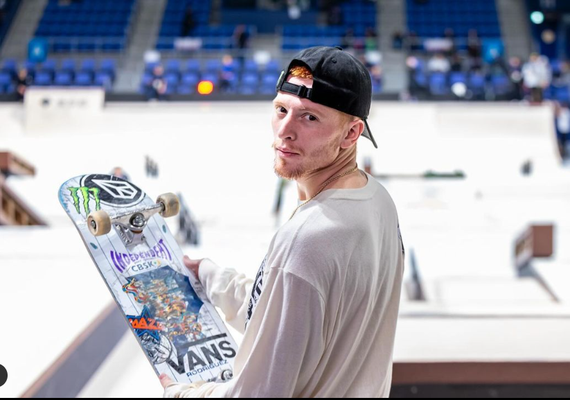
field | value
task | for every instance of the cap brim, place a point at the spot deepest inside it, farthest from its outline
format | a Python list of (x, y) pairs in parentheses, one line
[(368, 134)]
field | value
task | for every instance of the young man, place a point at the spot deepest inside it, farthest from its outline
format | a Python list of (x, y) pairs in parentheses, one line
[(320, 318)]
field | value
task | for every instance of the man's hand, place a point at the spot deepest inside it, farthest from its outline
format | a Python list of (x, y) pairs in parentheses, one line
[(165, 380), (175, 390), (193, 265)]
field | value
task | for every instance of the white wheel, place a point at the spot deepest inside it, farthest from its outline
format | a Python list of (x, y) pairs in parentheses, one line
[(99, 223), (170, 204)]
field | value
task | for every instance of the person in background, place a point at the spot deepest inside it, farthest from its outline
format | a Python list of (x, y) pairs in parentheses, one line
[(189, 23), (120, 173), (227, 74), (398, 40), (156, 88), (536, 76), (241, 42), (449, 34), (456, 63), (370, 40), (348, 39), (438, 63), (23, 81), (516, 77), (474, 48)]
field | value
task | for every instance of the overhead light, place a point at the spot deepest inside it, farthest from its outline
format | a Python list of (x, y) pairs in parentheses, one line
[(205, 87), (537, 17)]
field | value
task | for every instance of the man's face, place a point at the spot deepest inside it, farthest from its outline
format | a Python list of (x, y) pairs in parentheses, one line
[(307, 136)]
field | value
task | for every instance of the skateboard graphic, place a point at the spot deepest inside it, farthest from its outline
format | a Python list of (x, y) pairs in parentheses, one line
[(164, 305)]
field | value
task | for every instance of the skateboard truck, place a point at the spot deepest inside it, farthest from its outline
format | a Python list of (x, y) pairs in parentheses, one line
[(224, 376), (130, 225)]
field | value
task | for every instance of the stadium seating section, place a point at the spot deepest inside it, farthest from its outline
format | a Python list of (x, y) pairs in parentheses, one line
[(356, 15), (86, 26), (173, 26), (68, 73), (182, 77), (431, 18)]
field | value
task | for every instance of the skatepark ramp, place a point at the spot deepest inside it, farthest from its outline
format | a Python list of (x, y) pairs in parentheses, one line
[(13, 210)]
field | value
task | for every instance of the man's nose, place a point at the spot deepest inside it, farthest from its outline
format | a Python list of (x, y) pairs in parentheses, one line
[(286, 128)]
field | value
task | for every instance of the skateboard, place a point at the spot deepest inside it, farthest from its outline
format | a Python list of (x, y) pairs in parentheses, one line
[(164, 305)]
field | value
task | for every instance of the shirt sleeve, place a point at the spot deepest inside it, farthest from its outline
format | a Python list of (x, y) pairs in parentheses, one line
[(228, 290), (282, 346)]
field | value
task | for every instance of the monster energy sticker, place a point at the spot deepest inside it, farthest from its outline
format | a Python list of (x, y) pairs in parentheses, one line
[(113, 191), (82, 197)]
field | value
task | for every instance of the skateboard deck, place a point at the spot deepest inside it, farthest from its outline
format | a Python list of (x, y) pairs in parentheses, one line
[(164, 305)]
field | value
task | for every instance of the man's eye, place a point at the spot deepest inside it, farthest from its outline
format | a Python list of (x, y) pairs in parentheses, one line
[(281, 109), (312, 117)]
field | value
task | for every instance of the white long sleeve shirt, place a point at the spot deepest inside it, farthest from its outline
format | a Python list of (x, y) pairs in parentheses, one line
[(321, 314)]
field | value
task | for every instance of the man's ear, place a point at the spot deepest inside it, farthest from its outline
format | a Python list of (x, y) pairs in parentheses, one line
[(352, 132)]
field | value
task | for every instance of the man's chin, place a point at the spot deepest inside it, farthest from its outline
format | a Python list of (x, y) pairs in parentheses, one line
[(287, 173)]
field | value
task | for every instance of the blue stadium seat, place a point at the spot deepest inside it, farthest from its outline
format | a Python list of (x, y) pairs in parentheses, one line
[(501, 84), (68, 64), (88, 65), (273, 66), (83, 78), (49, 65), (438, 84), (10, 66), (190, 78), (250, 78), (213, 65), (477, 83), (421, 78), (108, 66), (212, 77), (172, 66), (5, 79), (562, 94), (457, 77), (192, 65), (245, 89), (171, 78), (186, 89), (43, 78), (269, 79), (103, 79), (171, 88), (63, 78), (250, 66), (265, 89)]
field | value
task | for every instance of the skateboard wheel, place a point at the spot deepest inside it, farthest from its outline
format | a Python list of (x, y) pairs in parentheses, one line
[(170, 204), (99, 223)]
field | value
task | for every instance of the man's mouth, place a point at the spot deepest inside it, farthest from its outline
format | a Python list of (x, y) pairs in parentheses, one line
[(286, 152)]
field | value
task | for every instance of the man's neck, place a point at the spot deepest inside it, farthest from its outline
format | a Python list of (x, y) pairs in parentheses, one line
[(310, 185)]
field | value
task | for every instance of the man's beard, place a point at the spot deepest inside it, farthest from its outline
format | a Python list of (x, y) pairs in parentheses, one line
[(283, 172), (316, 162)]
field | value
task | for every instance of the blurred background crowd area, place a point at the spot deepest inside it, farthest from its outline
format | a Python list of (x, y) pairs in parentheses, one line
[(485, 50)]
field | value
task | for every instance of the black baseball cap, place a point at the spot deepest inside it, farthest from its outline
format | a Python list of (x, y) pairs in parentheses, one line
[(340, 81)]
